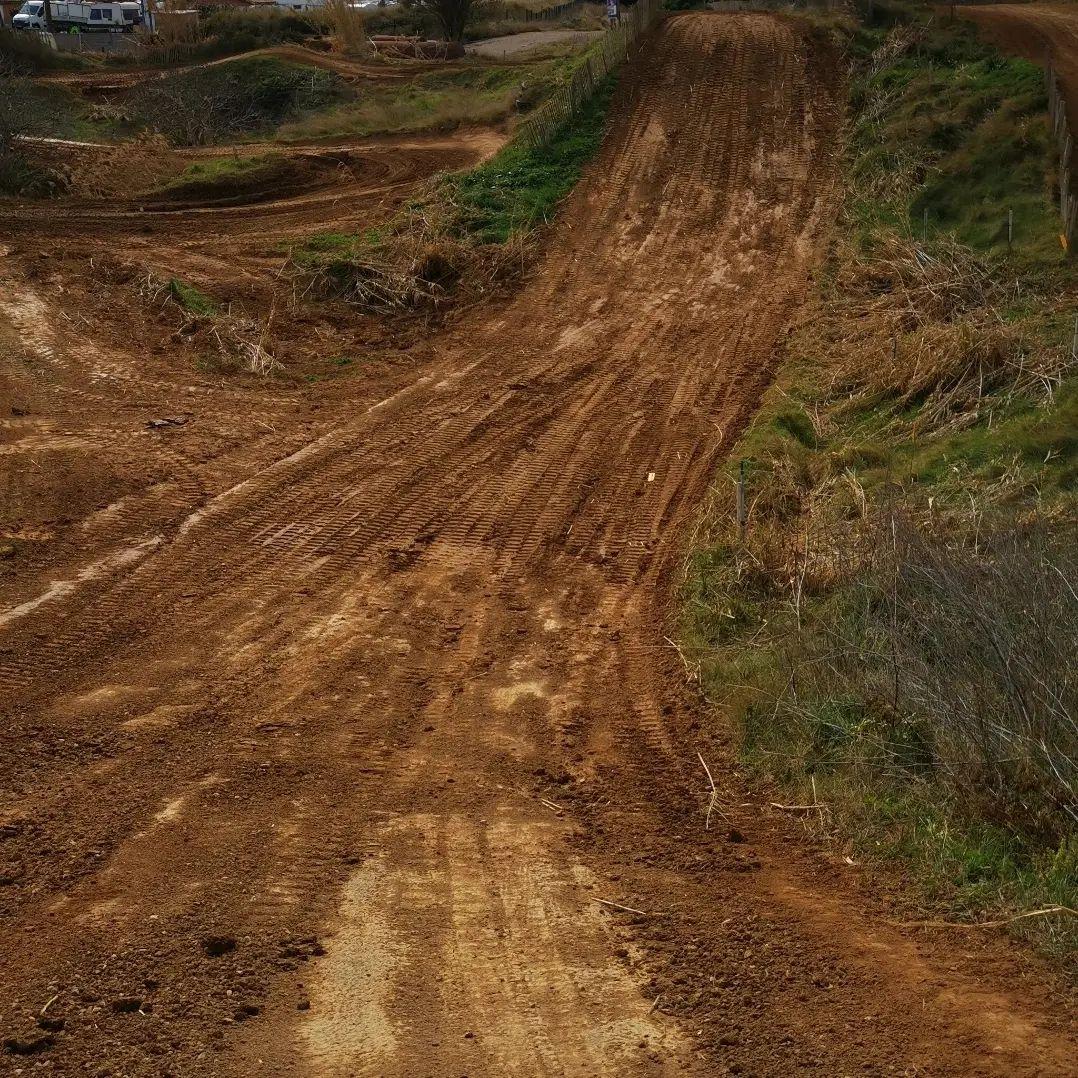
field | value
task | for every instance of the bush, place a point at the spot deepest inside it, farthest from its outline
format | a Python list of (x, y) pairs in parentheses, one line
[(26, 54), (985, 640), (239, 30), (209, 104)]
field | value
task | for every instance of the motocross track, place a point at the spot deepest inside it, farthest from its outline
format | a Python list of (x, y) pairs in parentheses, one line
[(377, 760), (1042, 33)]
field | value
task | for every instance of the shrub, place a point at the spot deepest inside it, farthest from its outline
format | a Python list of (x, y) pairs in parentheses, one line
[(193, 108), (26, 54)]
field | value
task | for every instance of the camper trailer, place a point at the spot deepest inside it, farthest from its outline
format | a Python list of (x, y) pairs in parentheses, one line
[(88, 18)]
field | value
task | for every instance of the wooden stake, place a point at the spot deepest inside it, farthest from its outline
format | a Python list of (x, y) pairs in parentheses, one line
[(742, 512)]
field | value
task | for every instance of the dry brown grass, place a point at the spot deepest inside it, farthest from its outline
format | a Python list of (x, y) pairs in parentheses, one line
[(226, 339), (926, 330), (423, 261), (347, 26)]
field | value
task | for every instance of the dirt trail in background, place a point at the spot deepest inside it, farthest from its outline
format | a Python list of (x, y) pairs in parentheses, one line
[(513, 45), (349, 69), (1039, 32), (363, 767)]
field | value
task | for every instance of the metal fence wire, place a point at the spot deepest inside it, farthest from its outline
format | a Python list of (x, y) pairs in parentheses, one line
[(611, 50), (1068, 202)]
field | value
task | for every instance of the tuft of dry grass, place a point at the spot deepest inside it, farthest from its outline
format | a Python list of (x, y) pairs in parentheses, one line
[(227, 340), (347, 26), (926, 331)]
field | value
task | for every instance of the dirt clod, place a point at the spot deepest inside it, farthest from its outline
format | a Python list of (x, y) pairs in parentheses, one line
[(215, 946), (29, 1046)]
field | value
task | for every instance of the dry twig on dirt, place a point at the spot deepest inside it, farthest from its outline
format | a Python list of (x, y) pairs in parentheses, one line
[(619, 906), (713, 799), (1001, 923)]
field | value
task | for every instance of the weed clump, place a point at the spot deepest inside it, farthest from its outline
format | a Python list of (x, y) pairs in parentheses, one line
[(226, 339)]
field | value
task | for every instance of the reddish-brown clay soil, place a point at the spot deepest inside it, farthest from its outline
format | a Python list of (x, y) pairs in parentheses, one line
[(1043, 33), (347, 739)]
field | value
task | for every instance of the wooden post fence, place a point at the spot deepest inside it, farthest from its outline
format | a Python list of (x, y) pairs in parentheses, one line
[(609, 52), (1068, 199)]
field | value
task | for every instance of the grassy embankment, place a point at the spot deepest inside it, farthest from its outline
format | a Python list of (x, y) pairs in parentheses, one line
[(894, 638), (439, 100), (470, 231), (243, 98), (264, 102)]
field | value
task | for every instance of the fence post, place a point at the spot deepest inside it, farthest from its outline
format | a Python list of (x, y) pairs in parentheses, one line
[(742, 512)]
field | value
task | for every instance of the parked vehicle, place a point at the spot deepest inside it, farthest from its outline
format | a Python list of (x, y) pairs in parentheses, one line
[(89, 18)]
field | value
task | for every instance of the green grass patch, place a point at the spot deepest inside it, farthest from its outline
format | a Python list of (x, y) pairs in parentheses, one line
[(521, 187), (955, 129), (192, 299), (222, 170)]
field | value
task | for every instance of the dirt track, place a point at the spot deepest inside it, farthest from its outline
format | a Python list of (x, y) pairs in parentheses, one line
[(350, 763), (1039, 32)]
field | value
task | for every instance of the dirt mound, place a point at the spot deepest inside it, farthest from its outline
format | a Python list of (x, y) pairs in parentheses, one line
[(124, 168), (272, 178)]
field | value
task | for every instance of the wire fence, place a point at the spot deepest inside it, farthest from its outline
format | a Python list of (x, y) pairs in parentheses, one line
[(608, 53), (519, 13), (1068, 199)]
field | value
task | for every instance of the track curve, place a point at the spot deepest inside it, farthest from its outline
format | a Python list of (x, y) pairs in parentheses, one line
[(1043, 33)]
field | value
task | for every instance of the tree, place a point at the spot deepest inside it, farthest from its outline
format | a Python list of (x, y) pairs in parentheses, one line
[(453, 15)]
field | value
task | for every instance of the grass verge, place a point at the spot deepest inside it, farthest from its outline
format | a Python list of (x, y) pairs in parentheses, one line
[(440, 100), (891, 634)]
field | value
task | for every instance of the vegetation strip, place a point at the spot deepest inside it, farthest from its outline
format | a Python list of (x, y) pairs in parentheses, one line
[(472, 232), (895, 629)]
